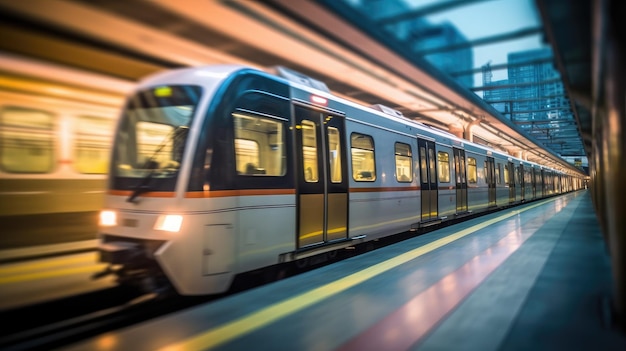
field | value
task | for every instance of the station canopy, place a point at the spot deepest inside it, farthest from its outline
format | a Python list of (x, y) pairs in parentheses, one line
[(498, 50)]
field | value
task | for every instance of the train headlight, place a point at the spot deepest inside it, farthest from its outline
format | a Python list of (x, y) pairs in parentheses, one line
[(169, 223), (108, 218)]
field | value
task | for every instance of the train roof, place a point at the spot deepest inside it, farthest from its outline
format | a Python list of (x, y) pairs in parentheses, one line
[(307, 84), (198, 74), (195, 75)]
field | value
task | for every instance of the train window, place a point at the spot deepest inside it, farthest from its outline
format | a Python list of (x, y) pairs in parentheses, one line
[(472, 174), (431, 160), (498, 172), (443, 161), (247, 154), (259, 145), (27, 140), (363, 161), (334, 154), (151, 136), (309, 151), (404, 163), (506, 175), (423, 168), (93, 139), (487, 174)]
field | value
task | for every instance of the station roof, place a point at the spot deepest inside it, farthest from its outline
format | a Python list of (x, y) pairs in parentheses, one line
[(388, 52), (530, 60)]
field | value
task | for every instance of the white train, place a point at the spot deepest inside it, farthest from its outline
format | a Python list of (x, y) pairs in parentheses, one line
[(222, 170)]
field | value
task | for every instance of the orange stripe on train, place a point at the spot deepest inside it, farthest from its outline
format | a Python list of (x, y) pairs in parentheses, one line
[(146, 194), (255, 192), (240, 192), (203, 194), (383, 189)]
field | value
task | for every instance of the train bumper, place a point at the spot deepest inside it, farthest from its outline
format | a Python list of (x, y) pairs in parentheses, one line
[(118, 252)]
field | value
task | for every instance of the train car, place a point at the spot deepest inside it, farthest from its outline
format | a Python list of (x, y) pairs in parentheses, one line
[(54, 151), (221, 170)]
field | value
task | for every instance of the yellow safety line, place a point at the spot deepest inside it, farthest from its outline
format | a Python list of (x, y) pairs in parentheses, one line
[(50, 274), (47, 264), (267, 315)]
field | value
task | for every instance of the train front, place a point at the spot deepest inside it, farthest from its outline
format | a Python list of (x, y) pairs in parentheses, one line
[(147, 234)]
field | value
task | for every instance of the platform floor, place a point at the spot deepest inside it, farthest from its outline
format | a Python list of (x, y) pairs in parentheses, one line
[(535, 277)]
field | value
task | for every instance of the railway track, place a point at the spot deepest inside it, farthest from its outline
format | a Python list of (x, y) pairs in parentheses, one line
[(64, 321), (61, 322)]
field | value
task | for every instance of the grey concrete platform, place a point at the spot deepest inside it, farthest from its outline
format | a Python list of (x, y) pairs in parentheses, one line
[(534, 277)]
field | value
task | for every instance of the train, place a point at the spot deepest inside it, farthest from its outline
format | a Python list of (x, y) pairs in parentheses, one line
[(220, 170), (56, 128)]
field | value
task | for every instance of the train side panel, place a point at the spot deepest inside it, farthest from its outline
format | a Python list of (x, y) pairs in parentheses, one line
[(379, 204), (265, 228)]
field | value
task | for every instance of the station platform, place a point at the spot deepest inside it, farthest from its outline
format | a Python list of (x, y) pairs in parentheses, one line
[(533, 277)]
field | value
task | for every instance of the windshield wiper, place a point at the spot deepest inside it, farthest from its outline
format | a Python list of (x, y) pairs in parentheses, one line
[(142, 187)]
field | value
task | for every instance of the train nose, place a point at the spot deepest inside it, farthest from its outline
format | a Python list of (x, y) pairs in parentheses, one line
[(134, 266), (118, 252)]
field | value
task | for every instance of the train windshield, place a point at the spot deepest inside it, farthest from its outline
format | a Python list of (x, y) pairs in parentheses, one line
[(151, 138)]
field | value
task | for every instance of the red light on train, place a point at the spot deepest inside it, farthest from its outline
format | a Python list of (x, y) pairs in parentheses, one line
[(319, 100)]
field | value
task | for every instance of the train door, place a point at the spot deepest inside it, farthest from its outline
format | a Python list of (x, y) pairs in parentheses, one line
[(533, 179), (522, 182), (428, 179), (490, 177), (322, 182), (461, 180), (511, 170)]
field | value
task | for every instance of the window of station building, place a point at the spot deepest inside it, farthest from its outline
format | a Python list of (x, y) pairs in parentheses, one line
[(443, 162), (363, 161), (404, 162), (28, 142), (472, 172), (309, 151), (259, 145), (93, 143), (334, 154)]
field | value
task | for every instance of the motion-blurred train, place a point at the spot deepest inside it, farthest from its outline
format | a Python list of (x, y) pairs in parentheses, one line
[(56, 127), (221, 170)]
